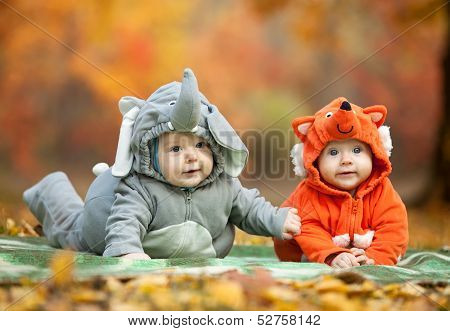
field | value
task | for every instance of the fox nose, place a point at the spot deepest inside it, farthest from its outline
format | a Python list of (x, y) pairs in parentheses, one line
[(346, 106)]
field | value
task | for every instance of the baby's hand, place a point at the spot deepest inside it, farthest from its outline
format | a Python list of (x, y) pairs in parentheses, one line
[(361, 256), (136, 256), (291, 224), (345, 260)]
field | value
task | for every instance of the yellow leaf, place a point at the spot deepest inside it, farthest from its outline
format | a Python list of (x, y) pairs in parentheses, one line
[(282, 298), (190, 300), (62, 266), (87, 295), (25, 298), (227, 294), (329, 283), (410, 290), (164, 299), (365, 288), (304, 284), (338, 301), (392, 290), (11, 228), (378, 304), (148, 284), (113, 284), (278, 293)]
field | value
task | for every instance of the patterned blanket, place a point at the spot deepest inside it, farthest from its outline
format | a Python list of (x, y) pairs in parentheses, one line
[(29, 257)]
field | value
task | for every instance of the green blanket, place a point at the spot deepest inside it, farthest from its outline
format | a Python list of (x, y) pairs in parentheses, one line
[(29, 257)]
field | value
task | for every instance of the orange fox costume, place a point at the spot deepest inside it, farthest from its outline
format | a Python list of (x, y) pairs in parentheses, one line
[(332, 220)]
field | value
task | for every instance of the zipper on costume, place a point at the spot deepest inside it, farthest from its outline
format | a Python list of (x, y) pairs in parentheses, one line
[(188, 197), (354, 212), (188, 204)]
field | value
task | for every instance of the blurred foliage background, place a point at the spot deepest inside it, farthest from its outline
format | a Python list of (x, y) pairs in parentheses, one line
[(65, 64)]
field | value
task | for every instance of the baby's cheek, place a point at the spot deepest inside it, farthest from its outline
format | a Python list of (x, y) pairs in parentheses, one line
[(366, 165), (208, 161)]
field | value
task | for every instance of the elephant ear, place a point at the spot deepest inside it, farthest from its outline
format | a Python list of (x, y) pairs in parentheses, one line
[(235, 152), (127, 103), (129, 107)]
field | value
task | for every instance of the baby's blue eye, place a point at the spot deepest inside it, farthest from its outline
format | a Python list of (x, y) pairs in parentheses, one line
[(200, 145), (357, 150), (333, 152), (175, 149)]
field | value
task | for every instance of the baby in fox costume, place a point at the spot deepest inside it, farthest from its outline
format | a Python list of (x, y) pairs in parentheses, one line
[(351, 214)]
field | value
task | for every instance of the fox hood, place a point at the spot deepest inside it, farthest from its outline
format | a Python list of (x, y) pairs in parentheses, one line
[(332, 220)]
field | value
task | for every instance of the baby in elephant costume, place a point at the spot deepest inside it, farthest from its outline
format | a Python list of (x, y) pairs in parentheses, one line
[(172, 191)]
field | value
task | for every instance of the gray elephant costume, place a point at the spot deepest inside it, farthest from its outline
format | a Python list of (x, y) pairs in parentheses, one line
[(131, 208)]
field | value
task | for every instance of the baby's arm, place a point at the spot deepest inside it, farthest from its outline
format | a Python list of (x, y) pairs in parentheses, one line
[(127, 225), (390, 223), (253, 214), (288, 250), (292, 225), (316, 242)]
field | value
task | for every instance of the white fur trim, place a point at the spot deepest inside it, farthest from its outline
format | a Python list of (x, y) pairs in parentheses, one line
[(124, 157), (342, 240), (100, 168), (297, 160), (363, 240), (385, 137)]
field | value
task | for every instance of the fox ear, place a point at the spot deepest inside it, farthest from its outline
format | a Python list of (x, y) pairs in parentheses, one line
[(377, 113), (301, 126)]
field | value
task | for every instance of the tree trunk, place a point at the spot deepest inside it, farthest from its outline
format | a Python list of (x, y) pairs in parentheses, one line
[(442, 159)]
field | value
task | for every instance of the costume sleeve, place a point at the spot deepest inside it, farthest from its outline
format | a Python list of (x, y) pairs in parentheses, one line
[(253, 214), (289, 202), (127, 225), (316, 242), (390, 223), (287, 250)]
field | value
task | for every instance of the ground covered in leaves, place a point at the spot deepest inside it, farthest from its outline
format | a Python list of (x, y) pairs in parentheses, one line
[(228, 291)]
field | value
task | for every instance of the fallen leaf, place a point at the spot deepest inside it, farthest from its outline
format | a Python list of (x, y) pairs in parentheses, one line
[(62, 266), (329, 283)]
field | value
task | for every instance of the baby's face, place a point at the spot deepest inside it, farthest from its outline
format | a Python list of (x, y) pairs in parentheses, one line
[(345, 164), (185, 159)]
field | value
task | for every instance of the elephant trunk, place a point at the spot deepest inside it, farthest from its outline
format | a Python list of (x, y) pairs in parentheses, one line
[(185, 115)]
